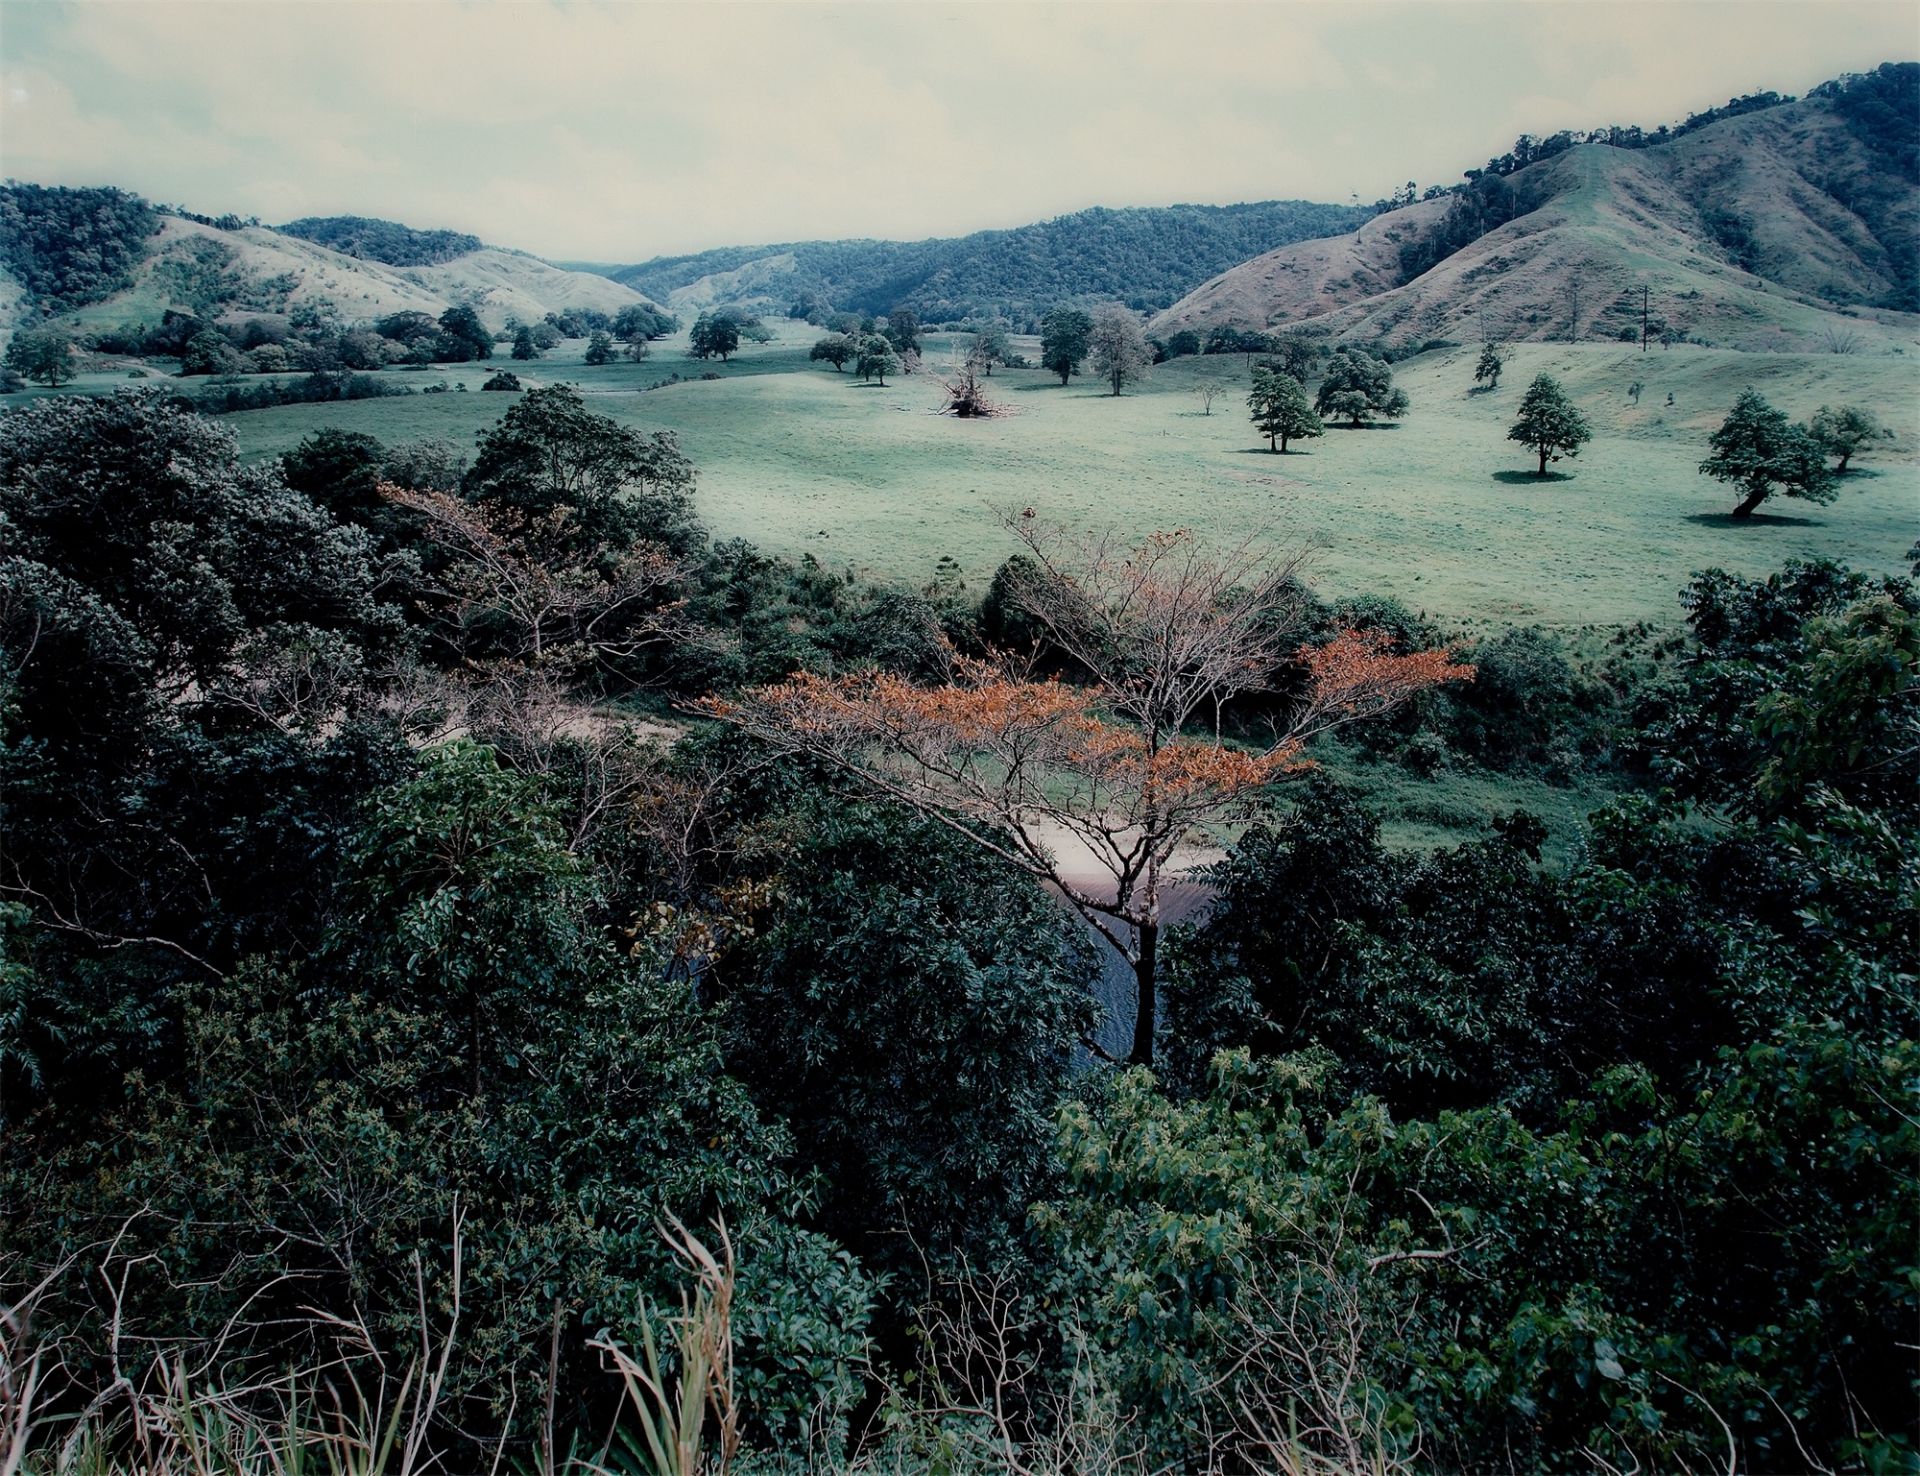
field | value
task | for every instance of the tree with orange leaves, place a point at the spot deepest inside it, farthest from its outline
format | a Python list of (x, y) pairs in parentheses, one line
[(1163, 635)]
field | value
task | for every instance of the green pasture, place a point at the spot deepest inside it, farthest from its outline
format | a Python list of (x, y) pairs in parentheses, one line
[(1440, 510)]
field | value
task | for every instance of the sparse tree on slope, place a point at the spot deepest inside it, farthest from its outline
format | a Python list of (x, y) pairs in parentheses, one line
[(1487, 371), (1281, 409), (600, 349), (1066, 334), (1758, 449), (1108, 772), (1549, 423), (1357, 387), (1842, 432), (1118, 348), (524, 346)]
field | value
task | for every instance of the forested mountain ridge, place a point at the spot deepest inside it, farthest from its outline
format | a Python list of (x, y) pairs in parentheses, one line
[(1145, 257), (1781, 226)]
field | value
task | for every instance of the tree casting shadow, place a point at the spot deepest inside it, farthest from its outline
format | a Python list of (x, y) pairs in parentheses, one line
[(1530, 479), (1753, 520), (1269, 451)]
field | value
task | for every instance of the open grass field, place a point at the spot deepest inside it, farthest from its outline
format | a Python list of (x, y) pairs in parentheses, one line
[(1440, 511)]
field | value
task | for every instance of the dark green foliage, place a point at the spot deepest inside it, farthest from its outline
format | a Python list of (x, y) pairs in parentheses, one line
[(311, 389), (643, 321), (834, 349), (714, 335), (70, 247), (620, 485), (524, 346), (463, 336), (44, 355), (381, 240), (1281, 410), (1549, 424), (599, 349), (1145, 258), (910, 1012), (1356, 387), (1759, 451), (1066, 337)]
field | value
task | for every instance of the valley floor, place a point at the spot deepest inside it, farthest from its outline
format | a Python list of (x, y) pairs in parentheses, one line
[(1440, 511)]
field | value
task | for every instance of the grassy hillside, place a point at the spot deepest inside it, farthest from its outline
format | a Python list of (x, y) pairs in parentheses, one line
[(1773, 230), (1145, 257), (1438, 511)]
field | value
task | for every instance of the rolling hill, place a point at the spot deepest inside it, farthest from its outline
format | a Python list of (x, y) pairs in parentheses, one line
[(230, 271), (1144, 257), (1789, 228)]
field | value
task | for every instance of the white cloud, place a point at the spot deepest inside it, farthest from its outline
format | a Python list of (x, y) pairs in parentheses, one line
[(617, 130)]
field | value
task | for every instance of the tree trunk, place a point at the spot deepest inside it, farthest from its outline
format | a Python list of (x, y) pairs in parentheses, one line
[(1543, 462), (1283, 443), (1841, 469), (1754, 499), (1146, 1003)]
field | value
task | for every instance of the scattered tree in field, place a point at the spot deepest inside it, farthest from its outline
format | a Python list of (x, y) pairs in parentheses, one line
[(1634, 391), (1843, 432), (714, 335), (835, 349), (1549, 423), (600, 349), (990, 345), (1118, 348), (1168, 635), (1357, 387), (1760, 451), (1281, 409), (877, 359), (42, 354), (524, 346), (1487, 371), (903, 332), (1066, 337), (639, 349), (1208, 390)]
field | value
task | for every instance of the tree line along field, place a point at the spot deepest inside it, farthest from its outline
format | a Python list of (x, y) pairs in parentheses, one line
[(1439, 511)]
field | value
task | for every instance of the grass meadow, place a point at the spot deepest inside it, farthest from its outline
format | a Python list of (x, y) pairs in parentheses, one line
[(1440, 510)]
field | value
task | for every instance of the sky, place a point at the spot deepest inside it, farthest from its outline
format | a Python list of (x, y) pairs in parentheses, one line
[(616, 130)]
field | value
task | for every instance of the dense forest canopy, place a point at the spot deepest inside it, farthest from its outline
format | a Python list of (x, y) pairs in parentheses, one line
[(381, 240), (1146, 258), (70, 247)]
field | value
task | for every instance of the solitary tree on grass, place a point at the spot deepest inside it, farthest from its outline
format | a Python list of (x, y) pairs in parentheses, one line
[(990, 345), (1113, 771), (1066, 335), (600, 349), (1549, 423), (1487, 371), (1281, 409), (1758, 450), (1842, 432), (1118, 348), (1357, 387), (834, 349)]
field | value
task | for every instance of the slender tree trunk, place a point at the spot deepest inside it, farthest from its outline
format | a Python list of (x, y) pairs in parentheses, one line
[(1841, 469), (1146, 1000), (1283, 443), (1754, 499), (1543, 462)]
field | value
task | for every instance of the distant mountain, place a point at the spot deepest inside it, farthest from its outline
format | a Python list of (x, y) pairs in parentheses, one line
[(1144, 257), (1791, 225), (103, 257)]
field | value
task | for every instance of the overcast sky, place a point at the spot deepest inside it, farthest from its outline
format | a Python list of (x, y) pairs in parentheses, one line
[(618, 131)]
